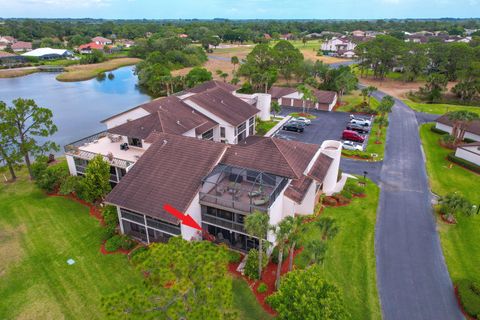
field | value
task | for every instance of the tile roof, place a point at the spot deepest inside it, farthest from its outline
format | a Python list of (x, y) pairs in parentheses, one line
[(91, 45), (21, 45), (224, 105), (211, 85), (472, 127), (170, 171), (324, 97), (320, 167), (169, 115), (276, 156), (298, 189), (4, 54), (101, 39), (278, 92)]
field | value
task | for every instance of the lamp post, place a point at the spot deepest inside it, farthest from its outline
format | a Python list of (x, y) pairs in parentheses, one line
[(365, 178)]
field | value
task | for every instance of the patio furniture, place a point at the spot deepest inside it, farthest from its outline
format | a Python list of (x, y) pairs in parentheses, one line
[(260, 202), (219, 191), (255, 193)]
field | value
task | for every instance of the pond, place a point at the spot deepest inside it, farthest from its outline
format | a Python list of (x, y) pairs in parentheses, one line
[(78, 107)]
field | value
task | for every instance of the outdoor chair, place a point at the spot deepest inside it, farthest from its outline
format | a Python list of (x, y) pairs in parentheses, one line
[(260, 202), (254, 193)]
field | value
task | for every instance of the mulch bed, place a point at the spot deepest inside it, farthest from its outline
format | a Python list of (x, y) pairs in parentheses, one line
[(442, 216), (356, 157), (268, 277), (105, 252), (457, 296)]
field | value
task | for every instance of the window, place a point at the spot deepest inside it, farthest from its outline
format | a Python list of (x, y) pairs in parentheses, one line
[(241, 131), (222, 132), (208, 135), (135, 142)]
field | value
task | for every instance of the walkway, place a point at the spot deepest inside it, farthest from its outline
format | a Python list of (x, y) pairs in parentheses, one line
[(412, 276)]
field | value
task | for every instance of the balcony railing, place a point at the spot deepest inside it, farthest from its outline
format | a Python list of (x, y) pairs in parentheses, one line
[(223, 223), (73, 149), (227, 203)]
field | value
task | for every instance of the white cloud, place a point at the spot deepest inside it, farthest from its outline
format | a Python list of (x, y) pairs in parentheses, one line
[(65, 3)]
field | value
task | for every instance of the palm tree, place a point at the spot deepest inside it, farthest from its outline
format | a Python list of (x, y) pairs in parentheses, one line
[(307, 95), (282, 232), (257, 225), (381, 121), (365, 93), (224, 76), (234, 60), (453, 203), (167, 81), (461, 119), (370, 91), (386, 105), (316, 250), (328, 228), (276, 108), (296, 225)]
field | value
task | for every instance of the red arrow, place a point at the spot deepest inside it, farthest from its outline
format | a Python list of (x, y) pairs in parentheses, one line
[(185, 218)]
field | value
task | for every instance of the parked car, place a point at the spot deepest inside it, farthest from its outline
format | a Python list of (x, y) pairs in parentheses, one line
[(304, 120), (294, 126), (358, 128), (352, 136), (349, 145), (360, 121)]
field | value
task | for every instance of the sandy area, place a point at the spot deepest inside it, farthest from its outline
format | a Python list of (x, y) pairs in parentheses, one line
[(212, 66), (12, 73), (89, 71)]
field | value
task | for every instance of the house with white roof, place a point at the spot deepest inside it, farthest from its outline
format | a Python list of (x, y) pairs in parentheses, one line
[(49, 53)]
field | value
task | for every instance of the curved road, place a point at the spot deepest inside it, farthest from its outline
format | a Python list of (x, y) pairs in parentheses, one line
[(413, 280)]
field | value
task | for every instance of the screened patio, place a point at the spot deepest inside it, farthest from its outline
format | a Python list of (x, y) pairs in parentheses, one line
[(241, 189)]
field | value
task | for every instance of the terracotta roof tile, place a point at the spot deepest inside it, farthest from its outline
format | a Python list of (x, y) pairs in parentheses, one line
[(472, 127), (211, 85), (298, 189), (170, 171), (278, 92), (320, 167)]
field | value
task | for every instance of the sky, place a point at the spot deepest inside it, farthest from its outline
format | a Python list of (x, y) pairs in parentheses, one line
[(240, 9)]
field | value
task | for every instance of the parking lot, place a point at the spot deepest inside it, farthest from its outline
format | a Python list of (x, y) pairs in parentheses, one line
[(327, 126)]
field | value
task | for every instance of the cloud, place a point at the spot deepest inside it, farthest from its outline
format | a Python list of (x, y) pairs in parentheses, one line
[(65, 3)]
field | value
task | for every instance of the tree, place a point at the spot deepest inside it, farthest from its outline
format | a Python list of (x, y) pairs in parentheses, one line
[(316, 250), (370, 91), (276, 108), (281, 231), (386, 105), (341, 79), (414, 61), (196, 76), (234, 60), (469, 85), (9, 152), (287, 58), (435, 86), (305, 294), (461, 119), (26, 122), (454, 203), (307, 95), (382, 122), (96, 181), (296, 225), (182, 280), (328, 228), (257, 225)]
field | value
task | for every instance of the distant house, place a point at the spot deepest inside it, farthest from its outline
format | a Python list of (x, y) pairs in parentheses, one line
[(9, 59), (183, 35), (21, 46), (358, 33), (290, 97), (49, 53), (267, 36), (472, 131), (126, 43), (469, 152), (286, 36), (89, 47), (6, 41), (338, 46), (102, 41)]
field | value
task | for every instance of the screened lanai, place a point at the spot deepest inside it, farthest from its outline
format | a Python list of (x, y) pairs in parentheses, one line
[(241, 189)]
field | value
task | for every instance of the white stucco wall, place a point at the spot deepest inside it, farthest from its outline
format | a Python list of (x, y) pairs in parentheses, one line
[(71, 165), (308, 204), (276, 214), (471, 154), (194, 210), (448, 129), (124, 117), (332, 149)]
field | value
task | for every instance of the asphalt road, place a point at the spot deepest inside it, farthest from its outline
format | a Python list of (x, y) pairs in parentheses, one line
[(412, 276)]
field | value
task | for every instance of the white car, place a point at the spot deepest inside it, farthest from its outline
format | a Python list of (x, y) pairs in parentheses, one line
[(350, 145), (360, 121), (304, 120)]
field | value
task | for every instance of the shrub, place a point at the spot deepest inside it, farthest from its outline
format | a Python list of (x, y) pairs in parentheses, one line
[(464, 163), (274, 256), (52, 177), (329, 201), (39, 166), (138, 254), (70, 185), (436, 130), (251, 266), (233, 256), (447, 140), (353, 187), (469, 293), (110, 216), (262, 288), (119, 242), (341, 199), (347, 194), (108, 232)]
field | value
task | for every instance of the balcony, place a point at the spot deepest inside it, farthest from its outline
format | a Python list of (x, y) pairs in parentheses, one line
[(107, 145), (240, 189)]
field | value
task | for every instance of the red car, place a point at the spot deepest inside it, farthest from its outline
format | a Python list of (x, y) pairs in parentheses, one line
[(352, 136)]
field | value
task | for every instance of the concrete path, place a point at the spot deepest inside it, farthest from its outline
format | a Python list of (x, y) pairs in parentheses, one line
[(412, 276)]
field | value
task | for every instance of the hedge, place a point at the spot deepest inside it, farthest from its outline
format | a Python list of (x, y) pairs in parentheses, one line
[(463, 162), (436, 130), (469, 293), (262, 288), (119, 242)]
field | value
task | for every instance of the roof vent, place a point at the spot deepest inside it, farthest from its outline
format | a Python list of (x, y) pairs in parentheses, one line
[(178, 122), (142, 128), (164, 142)]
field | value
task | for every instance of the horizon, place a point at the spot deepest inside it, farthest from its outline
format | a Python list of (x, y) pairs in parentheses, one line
[(247, 10)]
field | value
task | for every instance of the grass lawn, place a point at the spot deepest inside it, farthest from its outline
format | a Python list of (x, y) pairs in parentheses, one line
[(350, 257), (89, 71), (38, 234), (353, 99), (300, 114), (372, 146), (439, 108), (460, 242), (13, 73), (246, 303), (263, 127)]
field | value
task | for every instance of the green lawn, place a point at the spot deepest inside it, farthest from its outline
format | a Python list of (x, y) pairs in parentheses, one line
[(38, 234), (460, 242), (246, 303), (439, 108), (262, 127), (353, 99), (350, 258)]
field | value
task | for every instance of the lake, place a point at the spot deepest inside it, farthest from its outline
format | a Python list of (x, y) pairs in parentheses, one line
[(78, 107)]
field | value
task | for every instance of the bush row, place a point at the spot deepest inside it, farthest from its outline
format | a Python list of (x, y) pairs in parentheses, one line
[(436, 130), (463, 162), (356, 153), (119, 242), (469, 293), (251, 266)]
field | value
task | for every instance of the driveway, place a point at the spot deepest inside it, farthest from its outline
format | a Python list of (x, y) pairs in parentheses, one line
[(413, 280)]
